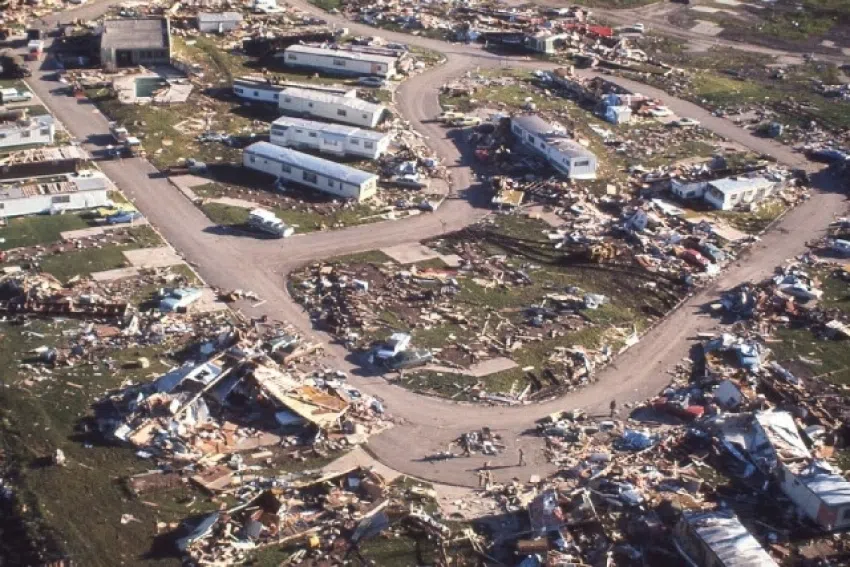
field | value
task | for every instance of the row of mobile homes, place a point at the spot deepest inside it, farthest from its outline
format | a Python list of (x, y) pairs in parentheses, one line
[(314, 172), (334, 139), (552, 142), (340, 61), (346, 110)]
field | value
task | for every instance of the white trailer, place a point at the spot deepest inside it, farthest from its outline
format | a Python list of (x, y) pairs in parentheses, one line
[(346, 110), (333, 139), (27, 132), (84, 190), (310, 171), (267, 222), (336, 61), (261, 90)]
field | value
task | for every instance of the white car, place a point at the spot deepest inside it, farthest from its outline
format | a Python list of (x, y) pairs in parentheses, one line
[(686, 123)]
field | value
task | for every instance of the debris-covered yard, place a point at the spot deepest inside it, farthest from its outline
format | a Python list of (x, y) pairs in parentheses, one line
[(498, 295)]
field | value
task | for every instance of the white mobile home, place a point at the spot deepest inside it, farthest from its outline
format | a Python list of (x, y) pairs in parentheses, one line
[(317, 173), (28, 132), (328, 138), (552, 142), (262, 90), (819, 492), (726, 194), (84, 190), (340, 61), (347, 110)]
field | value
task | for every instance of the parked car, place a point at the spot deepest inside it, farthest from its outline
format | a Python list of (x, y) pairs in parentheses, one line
[(409, 359), (178, 299), (450, 115), (123, 217), (106, 212), (374, 82), (686, 123)]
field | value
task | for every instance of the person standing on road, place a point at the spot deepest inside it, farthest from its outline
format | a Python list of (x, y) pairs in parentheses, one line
[(521, 457), (613, 408)]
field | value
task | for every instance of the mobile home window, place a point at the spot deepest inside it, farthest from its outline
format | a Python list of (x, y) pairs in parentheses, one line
[(368, 145), (256, 93), (309, 177), (45, 131), (355, 142), (285, 168), (252, 159), (61, 199), (583, 163), (291, 56), (341, 112), (238, 90), (339, 62), (313, 135), (26, 134), (287, 99), (310, 105), (330, 182), (275, 96)]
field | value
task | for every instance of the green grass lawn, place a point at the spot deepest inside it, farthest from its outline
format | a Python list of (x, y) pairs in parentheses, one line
[(828, 359), (79, 506), (304, 220), (38, 229), (327, 5)]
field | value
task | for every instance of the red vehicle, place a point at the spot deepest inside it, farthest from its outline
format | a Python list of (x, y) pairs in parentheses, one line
[(687, 413), (694, 258)]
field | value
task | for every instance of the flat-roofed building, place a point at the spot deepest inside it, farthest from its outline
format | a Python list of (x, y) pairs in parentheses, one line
[(128, 42)]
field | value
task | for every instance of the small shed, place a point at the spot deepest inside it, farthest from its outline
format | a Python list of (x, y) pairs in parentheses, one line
[(220, 22)]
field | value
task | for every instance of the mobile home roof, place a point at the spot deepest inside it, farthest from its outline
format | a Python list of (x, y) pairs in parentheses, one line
[(340, 54), (350, 102), (342, 130), (727, 537), (313, 164)]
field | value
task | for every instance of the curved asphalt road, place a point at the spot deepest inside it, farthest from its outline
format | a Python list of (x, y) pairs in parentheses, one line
[(426, 425)]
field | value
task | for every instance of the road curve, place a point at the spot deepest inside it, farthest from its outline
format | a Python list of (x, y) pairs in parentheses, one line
[(426, 425)]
